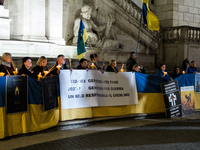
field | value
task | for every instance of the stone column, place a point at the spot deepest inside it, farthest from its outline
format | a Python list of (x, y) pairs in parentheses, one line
[(54, 21), (4, 23), (28, 19)]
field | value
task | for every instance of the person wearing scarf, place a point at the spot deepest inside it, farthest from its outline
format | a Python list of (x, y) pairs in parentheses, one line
[(60, 62), (94, 60), (6, 64), (25, 70), (112, 67)]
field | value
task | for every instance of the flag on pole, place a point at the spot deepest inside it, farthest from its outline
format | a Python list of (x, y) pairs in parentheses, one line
[(149, 18), (82, 37)]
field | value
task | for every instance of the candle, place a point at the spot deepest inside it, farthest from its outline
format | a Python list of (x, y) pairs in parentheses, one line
[(58, 67), (183, 72), (92, 65), (15, 72), (165, 73), (39, 76), (121, 70), (46, 72), (2, 74)]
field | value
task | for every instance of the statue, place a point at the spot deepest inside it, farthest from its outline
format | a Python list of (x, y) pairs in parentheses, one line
[(1, 2), (103, 38)]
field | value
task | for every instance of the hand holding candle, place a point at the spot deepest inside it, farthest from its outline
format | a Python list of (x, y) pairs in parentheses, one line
[(39, 76)]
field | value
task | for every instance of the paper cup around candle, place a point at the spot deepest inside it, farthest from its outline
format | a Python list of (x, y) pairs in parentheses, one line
[(92, 65), (122, 70), (46, 72), (15, 72), (183, 72), (2, 74), (165, 73), (58, 67)]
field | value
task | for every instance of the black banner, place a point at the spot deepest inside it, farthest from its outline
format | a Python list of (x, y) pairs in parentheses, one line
[(172, 99), (16, 94), (49, 93)]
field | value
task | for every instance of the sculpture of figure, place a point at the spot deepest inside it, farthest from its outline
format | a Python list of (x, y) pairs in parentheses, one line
[(1, 2), (104, 38)]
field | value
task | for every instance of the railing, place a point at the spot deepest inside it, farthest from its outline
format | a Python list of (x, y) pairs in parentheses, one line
[(136, 12), (181, 34)]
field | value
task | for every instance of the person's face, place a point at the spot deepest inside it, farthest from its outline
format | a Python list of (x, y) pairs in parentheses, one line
[(9, 59), (133, 56), (193, 64), (86, 15), (61, 60), (44, 62), (137, 69), (84, 64), (96, 59), (114, 64), (177, 70), (163, 68), (28, 63)]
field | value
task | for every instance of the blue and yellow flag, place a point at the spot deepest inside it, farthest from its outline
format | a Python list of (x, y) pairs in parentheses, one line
[(149, 18), (82, 37)]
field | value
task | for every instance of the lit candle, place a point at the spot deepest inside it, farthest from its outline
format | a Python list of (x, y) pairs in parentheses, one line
[(165, 73), (122, 69), (183, 72), (92, 65), (46, 72), (2, 74), (39, 76), (15, 72), (58, 67)]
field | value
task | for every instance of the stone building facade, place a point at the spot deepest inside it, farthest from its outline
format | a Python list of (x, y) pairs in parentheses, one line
[(45, 27)]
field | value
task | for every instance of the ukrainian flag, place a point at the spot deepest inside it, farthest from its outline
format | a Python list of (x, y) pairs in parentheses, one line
[(82, 37), (149, 18)]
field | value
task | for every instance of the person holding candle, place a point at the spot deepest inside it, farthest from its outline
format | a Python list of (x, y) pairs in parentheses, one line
[(26, 66), (162, 72), (94, 60), (82, 64), (112, 67), (40, 66), (7, 66), (192, 68), (59, 65)]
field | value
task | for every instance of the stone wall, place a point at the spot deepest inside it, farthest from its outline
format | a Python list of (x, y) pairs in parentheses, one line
[(177, 12)]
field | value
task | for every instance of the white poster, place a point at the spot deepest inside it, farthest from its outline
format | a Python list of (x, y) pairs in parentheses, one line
[(81, 88)]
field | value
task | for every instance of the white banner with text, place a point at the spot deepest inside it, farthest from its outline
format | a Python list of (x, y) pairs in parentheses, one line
[(81, 88)]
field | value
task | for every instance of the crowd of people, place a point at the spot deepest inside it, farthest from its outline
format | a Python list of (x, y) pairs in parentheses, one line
[(7, 66)]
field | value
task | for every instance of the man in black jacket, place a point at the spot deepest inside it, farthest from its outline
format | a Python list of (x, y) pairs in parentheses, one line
[(131, 62), (60, 62)]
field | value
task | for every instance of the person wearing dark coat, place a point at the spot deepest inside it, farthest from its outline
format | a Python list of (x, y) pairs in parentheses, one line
[(176, 73), (82, 64), (112, 67), (60, 62), (40, 66), (7, 66), (185, 64), (25, 70), (131, 62)]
